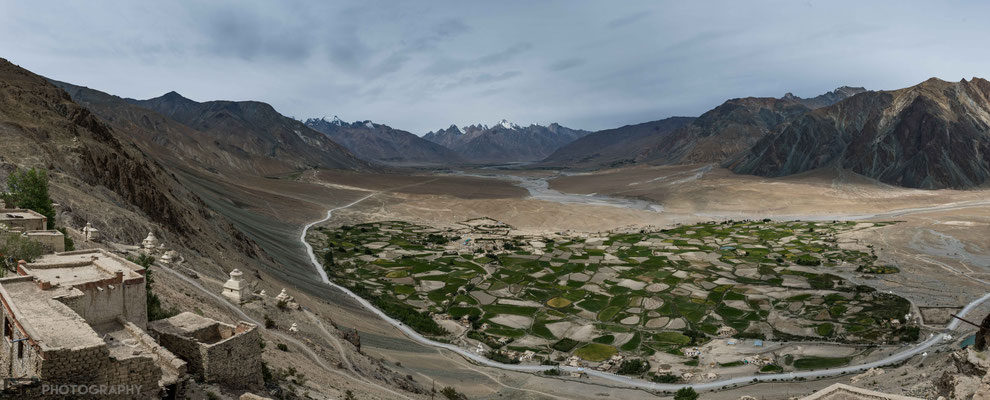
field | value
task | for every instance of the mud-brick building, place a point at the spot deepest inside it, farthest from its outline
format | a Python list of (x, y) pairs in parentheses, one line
[(229, 355), (34, 226), (23, 220), (78, 318)]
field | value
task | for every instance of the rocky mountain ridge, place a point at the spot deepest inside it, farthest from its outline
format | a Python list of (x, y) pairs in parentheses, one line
[(383, 144), (505, 142), (932, 135)]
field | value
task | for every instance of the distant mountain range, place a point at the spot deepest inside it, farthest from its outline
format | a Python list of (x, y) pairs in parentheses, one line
[(932, 135), (717, 135), (383, 144), (505, 142)]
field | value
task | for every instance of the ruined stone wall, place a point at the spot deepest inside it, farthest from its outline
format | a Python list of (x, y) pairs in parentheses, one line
[(187, 349), (162, 357), (235, 362)]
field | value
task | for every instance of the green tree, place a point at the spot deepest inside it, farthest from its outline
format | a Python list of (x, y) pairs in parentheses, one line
[(14, 247), (29, 189), (686, 394)]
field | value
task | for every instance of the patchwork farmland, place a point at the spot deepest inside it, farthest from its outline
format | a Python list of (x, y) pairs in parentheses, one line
[(615, 300)]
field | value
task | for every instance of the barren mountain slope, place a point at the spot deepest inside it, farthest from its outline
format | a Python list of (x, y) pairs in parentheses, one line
[(613, 147), (255, 129), (98, 176), (733, 127), (932, 135)]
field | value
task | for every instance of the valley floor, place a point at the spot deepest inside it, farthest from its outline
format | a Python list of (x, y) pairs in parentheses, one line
[(938, 243)]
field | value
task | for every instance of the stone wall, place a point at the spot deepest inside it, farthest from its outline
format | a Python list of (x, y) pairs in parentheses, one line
[(235, 362), (54, 241), (104, 303), (219, 353)]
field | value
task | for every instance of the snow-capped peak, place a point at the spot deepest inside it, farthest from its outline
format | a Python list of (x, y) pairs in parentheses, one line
[(369, 125), (508, 125), (455, 127), (333, 121)]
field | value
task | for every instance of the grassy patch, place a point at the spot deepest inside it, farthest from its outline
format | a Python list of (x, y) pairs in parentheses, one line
[(595, 352), (558, 302)]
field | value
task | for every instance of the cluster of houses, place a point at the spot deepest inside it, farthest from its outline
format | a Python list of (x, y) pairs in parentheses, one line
[(611, 363), (80, 319), (31, 225)]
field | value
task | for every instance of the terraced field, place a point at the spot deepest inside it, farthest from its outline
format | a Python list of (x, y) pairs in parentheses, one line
[(595, 295)]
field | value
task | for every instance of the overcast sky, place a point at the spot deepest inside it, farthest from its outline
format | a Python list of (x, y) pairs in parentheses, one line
[(423, 65)]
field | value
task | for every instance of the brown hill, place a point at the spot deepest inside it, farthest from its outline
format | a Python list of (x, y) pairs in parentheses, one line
[(733, 127), (99, 176), (250, 133), (932, 135), (613, 147)]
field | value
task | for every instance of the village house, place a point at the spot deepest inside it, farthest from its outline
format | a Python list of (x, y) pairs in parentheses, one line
[(33, 226), (79, 318)]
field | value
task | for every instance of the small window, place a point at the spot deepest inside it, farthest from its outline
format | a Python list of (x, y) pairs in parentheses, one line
[(9, 333), (20, 349)]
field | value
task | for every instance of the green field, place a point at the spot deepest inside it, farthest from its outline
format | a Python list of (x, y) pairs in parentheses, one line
[(634, 293)]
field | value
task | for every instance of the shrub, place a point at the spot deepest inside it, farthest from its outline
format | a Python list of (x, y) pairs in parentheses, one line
[(686, 394), (451, 394), (633, 367)]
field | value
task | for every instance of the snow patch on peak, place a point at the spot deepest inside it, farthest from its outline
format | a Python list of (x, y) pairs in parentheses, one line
[(369, 125), (507, 125), (332, 121)]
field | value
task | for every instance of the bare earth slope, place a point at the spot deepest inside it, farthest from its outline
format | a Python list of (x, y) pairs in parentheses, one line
[(932, 135), (98, 176)]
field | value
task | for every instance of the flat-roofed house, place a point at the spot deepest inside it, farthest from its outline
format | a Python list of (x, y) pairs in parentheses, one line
[(23, 220), (78, 318), (32, 225)]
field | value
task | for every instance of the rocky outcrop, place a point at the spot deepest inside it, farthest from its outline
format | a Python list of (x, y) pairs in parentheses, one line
[(934, 135)]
